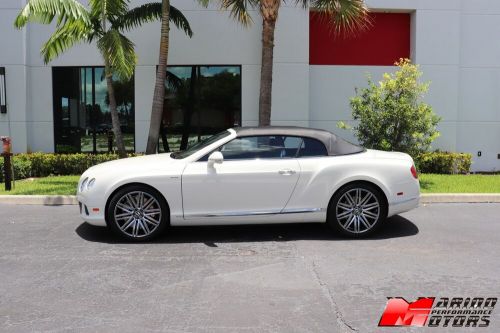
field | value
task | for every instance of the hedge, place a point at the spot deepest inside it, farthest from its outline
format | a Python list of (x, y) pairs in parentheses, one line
[(444, 163), (43, 164)]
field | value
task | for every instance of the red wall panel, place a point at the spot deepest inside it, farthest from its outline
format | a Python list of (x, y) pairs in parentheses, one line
[(387, 40)]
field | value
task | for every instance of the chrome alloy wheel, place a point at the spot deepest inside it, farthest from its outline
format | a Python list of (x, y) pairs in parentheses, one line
[(357, 210), (137, 214)]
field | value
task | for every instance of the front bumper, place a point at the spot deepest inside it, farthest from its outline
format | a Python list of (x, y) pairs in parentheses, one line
[(91, 211)]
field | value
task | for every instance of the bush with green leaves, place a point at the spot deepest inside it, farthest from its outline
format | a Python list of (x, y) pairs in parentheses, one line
[(444, 162), (43, 164), (392, 116)]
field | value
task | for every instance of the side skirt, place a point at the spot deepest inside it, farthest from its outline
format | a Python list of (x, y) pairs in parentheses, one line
[(314, 215)]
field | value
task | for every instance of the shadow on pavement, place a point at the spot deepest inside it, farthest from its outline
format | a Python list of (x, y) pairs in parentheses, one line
[(395, 227)]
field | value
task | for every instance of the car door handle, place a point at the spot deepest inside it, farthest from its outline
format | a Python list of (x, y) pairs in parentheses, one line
[(286, 172)]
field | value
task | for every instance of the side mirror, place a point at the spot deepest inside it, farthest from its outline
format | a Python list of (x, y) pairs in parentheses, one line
[(215, 157)]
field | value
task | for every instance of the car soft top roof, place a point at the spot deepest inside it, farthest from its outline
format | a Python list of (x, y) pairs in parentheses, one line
[(334, 144)]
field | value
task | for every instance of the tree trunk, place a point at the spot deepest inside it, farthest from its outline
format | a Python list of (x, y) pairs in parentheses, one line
[(159, 94), (269, 11), (115, 120)]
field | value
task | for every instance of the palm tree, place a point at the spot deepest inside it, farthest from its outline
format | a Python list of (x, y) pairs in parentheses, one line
[(168, 13), (105, 22), (344, 15), (161, 72)]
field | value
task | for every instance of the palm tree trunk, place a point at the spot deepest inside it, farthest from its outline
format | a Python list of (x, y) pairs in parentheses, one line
[(269, 11), (114, 114), (159, 94), (115, 121)]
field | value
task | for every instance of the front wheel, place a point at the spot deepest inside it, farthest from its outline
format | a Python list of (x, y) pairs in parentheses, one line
[(357, 210), (137, 213)]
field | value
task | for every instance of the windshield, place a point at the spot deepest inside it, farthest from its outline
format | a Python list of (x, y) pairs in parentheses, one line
[(200, 145)]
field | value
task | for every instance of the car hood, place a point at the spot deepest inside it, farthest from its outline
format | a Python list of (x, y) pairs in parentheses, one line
[(146, 163)]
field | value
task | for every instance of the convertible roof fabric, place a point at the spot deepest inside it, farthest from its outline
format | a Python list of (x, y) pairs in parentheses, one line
[(334, 144)]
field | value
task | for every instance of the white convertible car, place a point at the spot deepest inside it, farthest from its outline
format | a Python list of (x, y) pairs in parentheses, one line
[(250, 176)]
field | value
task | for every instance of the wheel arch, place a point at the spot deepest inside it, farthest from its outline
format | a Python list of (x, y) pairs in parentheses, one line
[(359, 181), (121, 187)]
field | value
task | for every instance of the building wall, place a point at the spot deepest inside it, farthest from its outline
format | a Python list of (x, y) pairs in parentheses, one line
[(452, 40)]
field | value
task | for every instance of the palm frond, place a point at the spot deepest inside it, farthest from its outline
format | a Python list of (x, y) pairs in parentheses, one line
[(44, 11), (238, 9), (151, 12), (119, 53), (173, 81), (65, 36), (137, 16), (204, 3), (110, 9), (303, 3), (180, 21), (348, 16)]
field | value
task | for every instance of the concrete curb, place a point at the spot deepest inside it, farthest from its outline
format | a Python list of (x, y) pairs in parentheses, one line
[(46, 200), (426, 198), (460, 198)]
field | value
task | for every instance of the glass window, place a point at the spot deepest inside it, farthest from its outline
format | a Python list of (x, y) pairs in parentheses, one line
[(200, 101), (312, 147), (274, 146), (82, 121), (200, 145)]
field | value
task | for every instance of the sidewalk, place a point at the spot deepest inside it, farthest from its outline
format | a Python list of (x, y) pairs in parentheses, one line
[(426, 198)]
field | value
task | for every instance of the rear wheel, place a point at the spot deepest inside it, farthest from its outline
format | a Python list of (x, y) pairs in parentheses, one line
[(137, 213), (357, 210)]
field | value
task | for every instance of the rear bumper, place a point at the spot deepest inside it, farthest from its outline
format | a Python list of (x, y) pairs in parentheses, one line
[(403, 206), (91, 212)]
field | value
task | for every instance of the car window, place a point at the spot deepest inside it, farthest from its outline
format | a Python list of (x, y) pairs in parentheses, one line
[(200, 145), (293, 142), (254, 147), (272, 146), (312, 148)]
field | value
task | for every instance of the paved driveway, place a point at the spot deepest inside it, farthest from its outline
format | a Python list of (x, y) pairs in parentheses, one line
[(57, 274)]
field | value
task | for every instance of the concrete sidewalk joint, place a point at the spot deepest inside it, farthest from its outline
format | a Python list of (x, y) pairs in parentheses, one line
[(425, 198)]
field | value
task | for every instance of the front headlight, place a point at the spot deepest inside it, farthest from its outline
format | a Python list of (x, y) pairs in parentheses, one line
[(90, 183), (83, 184)]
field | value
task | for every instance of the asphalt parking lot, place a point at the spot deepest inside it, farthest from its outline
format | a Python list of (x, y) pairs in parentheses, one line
[(59, 274)]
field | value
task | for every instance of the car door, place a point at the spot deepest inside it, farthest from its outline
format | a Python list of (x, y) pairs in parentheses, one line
[(257, 177)]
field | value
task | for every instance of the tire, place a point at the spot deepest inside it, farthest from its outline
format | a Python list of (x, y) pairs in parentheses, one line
[(137, 213), (357, 210)]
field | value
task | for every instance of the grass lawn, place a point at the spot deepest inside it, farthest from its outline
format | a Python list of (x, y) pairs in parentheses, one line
[(62, 185), (429, 183), (432, 183)]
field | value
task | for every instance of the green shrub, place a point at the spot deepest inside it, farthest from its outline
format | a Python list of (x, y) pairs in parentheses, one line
[(22, 168), (444, 163), (43, 164), (391, 114)]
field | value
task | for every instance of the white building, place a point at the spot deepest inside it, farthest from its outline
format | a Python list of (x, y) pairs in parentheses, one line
[(62, 106)]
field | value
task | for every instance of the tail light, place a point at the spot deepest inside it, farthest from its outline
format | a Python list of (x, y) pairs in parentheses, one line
[(414, 172)]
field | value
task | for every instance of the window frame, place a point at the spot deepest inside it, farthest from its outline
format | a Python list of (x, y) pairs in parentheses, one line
[(388, 39), (3, 91), (240, 114), (92, 115)]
